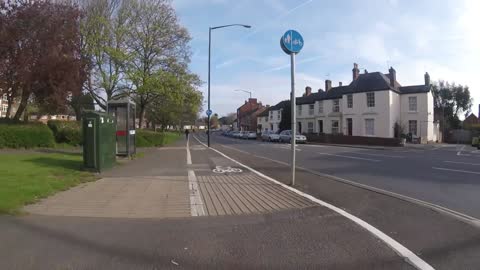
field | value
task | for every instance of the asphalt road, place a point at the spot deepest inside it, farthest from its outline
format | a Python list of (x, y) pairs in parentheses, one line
[(448, 176)]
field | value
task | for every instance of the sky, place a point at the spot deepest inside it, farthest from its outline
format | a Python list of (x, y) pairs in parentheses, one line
[(412, 36)]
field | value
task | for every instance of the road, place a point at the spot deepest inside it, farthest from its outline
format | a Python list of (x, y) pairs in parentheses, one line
[(448, 176)]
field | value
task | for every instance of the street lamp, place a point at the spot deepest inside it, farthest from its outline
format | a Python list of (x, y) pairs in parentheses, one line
[(209, 52), (244, 91)]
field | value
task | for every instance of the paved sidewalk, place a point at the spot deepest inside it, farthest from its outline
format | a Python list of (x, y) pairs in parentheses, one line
[(172, 182)]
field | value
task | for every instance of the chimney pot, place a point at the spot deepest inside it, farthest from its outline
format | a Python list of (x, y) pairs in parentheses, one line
[(328, 85), (427, 79), (355, 71), (339, 83), (392, 74), (308, 91)]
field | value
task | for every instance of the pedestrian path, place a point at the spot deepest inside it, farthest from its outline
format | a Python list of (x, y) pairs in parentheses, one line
[(182, 180)]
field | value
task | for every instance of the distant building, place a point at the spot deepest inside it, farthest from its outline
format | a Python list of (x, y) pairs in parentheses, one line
[(4, 107), (370, 105), (46, 118), (247, 115)]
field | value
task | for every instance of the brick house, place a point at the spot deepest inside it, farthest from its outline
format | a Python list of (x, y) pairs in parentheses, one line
[(247, 115)]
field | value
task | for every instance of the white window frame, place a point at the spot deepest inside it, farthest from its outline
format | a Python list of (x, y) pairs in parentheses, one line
[(410, 127), (370, 99), (369, 127), (311, 109), (350, 101), (320, 106), (271, 115), (335, 128), (299, 110), (336, 105), (412, 106), (278, 116), (310, 127)]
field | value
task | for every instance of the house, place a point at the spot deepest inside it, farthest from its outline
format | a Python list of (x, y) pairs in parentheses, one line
[(247, 114), (4, 106), (371, 105), (472, 120), (270, 118)]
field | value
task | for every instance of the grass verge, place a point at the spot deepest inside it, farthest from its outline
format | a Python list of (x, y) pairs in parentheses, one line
[(29, 176)]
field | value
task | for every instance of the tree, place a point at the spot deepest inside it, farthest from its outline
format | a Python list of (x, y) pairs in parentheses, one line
[(81, 103), (104, 29), (41, 59), (158, 51), (450, 100)]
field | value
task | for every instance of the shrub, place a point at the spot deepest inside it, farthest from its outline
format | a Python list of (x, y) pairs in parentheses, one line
[(24, 135), (148, 138), (66, 132)]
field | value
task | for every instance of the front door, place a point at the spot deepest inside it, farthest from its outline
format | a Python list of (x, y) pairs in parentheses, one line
[(349, 126), (320, 126), (300, 127)]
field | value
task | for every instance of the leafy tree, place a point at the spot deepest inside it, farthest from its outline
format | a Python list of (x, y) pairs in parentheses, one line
[(80, 103), (450, 100), (40, 43), (158, 52), (104, 29)]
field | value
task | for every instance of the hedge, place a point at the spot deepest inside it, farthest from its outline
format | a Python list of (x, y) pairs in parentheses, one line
[(66, 132), (22, 135), (147, 138)]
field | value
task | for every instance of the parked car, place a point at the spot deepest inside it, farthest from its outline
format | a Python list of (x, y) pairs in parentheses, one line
[(244, 135), (251, 135), (286, 136), (237, 134), (270, 136), (475, 141)]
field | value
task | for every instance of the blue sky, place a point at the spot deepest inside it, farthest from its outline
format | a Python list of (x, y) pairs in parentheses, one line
[(440, 37)]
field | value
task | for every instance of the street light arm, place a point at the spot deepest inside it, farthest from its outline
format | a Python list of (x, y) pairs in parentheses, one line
[(229, 25)]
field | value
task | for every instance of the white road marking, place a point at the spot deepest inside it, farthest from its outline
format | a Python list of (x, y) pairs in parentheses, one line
[(376, 155), (401, 250), (466, 163), (459, 153), (453, 170), (196, 204), (189, 157), (351, 157)]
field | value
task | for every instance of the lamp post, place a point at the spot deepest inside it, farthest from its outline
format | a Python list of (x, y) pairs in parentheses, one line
[(248, 92), (209, 53)]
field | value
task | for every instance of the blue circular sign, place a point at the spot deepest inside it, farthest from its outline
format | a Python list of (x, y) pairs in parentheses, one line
[(292, 42), (209, 112)]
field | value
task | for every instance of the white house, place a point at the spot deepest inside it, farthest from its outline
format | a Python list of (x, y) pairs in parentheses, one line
[(270, 118), (370, 105)]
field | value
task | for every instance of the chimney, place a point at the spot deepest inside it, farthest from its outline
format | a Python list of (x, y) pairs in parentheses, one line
[(328, 85), (252, 100), (339, 83), (320, 90), (427, 79), (392, 74), (355, 71), (308, 91)]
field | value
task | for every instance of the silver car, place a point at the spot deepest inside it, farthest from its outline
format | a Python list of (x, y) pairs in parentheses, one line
[(270, 136), (286, 136)]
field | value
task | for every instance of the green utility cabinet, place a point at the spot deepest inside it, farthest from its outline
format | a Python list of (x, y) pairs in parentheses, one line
[(99, 141)]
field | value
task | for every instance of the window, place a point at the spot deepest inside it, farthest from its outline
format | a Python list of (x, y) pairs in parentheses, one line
[(412, 104), (5, 97), (271, 115), (310, 127), (299, 110), (350, 101), (412, 127), (336, 105), (4, 108), (335, 127), (320, 126), (320, 106), (311, 109), (370, 99), (278, 116), (369, 127)]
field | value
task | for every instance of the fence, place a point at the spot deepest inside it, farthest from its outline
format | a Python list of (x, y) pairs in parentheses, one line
[(360, 140)]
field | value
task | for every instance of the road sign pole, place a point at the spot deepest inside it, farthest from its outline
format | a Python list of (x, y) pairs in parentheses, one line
[(294, 118), (209, 52)]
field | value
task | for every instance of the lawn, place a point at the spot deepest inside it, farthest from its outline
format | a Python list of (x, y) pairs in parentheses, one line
[(26, 177)]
